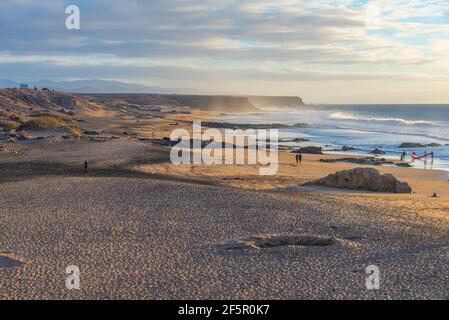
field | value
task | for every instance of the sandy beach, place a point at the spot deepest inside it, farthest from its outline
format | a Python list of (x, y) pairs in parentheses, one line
[(224, 154), (140, 227)]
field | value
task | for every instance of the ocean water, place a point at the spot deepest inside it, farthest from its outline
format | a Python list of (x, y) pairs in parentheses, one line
[(364, 127)]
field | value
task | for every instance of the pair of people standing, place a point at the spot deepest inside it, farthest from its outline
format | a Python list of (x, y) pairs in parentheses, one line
[(298, 157)]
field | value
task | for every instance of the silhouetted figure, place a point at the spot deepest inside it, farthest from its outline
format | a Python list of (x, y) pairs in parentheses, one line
[(86, 167), (298, 158), (403, 156)]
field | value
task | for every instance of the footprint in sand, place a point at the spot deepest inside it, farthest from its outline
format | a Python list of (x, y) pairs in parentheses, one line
[(7, 261), (272, 241)]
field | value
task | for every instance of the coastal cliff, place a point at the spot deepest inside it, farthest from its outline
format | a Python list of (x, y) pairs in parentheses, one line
[(45, 100), (205, 102), (265, 101), (217, 103)]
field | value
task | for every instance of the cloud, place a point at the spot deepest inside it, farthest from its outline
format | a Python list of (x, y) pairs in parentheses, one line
[(194, 40), (297, 31), (148, 73)]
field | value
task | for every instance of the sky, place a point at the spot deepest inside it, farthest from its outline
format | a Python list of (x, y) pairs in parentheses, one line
[(326, 51)]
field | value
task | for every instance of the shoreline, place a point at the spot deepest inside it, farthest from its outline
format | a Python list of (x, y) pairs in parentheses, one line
[(332, 153), (287, 168), (330, 131)]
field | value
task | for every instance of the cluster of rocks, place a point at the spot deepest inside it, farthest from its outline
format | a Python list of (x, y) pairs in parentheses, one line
[(319, 150), (409, 145), (161, 142), (246, 126), (378, 151), (344, 149), (95, 136), (370, 161), (363, 179), (91, 132), (12, 137), (294, 140), (102, 138), (300, 140), (166, 142)]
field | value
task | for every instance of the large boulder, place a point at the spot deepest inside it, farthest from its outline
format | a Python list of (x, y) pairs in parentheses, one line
[(363, 179)]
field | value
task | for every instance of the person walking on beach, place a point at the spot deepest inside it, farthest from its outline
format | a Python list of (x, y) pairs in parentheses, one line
[(86, 167), (298, 158), (403, 156)]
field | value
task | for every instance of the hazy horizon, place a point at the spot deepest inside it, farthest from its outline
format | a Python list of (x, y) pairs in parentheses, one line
[(325, 51)]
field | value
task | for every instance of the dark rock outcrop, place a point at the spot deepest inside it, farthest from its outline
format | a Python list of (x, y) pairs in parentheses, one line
[(91, 132), (243, 126), (205, 102), (409, 145), (371, 161), (363, 179), (378, 151), (310, 150), (216, 103)]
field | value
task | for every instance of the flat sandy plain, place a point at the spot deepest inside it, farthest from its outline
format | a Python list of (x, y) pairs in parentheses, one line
[(141, 228)]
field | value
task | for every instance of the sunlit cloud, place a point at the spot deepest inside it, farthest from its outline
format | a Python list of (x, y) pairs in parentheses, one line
[(361, 39)]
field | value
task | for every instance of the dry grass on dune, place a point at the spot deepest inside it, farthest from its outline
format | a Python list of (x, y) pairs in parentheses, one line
[(49, 122), (17, 118), (8, 119), (9, 124), (43, 114), (43, 123)]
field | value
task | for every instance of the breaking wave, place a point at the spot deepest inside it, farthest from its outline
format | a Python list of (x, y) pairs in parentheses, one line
[(388, 121)]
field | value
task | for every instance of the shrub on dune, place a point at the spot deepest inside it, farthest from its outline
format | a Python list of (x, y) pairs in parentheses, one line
[(17, 118), (74, 131), (43, 123), (49, 123), (11, 125)]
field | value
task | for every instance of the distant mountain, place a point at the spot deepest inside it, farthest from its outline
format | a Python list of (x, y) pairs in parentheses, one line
[(91, 86)]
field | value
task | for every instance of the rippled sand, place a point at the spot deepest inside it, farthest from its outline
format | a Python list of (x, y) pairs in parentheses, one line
[(155, 235)]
